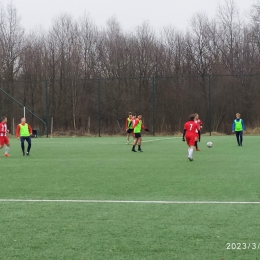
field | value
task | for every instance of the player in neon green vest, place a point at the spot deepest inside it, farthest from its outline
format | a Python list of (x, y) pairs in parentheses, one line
[(137, 132), (23, 132), (238, 127)]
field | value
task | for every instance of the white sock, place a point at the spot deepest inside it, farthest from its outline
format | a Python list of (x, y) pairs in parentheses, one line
[(190, 153), (6, 149)]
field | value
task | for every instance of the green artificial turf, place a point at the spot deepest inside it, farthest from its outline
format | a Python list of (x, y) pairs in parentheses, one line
[(106, 169)]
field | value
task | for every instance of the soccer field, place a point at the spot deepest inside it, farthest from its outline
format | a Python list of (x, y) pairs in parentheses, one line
[(92, 198)]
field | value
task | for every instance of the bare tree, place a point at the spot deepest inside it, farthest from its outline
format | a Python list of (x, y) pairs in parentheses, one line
[(11, 46)]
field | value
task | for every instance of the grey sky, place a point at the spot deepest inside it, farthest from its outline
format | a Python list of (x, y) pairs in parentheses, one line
[(129, 13)]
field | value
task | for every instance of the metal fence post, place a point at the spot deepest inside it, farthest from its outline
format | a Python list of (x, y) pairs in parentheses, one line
[(153, 104), (210, 112), (99, 112), (47, 107)]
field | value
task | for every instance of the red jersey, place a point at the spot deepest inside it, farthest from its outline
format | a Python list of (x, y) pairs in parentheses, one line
[(3, 129), (191, 127), (199, 122), (136, 122)]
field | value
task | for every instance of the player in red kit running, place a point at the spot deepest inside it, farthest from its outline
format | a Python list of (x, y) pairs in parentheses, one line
[(3, 138), (190, 132), (199, 122)]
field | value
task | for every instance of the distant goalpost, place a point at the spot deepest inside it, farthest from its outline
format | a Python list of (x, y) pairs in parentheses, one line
[(26, 109)]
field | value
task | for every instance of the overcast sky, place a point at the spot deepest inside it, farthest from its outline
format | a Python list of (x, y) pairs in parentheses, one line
[(129, 13)]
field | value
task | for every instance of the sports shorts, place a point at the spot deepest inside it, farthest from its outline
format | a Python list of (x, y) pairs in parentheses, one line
[(190, 139), (137, 135), (129, 131), (4, 140)]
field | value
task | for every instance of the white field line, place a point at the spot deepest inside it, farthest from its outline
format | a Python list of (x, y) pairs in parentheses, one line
[(80, 140), (130, 201), (162, 139), (145, 141), (131, 141), (105, 143)]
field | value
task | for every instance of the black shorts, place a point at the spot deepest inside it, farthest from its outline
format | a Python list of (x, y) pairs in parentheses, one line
[(137, 135), (129, 131)]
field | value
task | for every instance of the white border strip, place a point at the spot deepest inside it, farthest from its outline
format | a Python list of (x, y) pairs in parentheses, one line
[(131, 201), (161, 139), (89, 141)]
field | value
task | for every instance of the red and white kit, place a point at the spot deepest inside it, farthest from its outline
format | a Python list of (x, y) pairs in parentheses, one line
[(3, 138), (200, 124)]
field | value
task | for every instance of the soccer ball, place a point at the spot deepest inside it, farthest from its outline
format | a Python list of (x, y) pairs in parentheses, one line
[(209, 144)]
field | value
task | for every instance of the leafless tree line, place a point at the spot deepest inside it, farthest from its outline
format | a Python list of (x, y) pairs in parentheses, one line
[(102, 74)]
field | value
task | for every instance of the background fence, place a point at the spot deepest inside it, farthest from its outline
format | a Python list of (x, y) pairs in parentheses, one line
[(100, 106)]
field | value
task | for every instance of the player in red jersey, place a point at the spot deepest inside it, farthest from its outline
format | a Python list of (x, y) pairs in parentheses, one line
[(133, 120), (190, 132), (199, 122), (128, 127), (3, 138), (133, 123)]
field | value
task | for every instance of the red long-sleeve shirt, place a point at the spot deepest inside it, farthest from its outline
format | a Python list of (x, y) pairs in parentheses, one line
[(3, 129), (199, 122), (127, 123), (18, 129), (136, 123)]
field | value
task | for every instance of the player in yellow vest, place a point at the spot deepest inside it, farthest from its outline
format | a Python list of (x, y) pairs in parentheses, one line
[(23, 132), (238, 127), (138, 126)]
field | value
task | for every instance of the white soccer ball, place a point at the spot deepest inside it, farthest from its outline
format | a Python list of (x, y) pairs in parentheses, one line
[(209, 144)]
